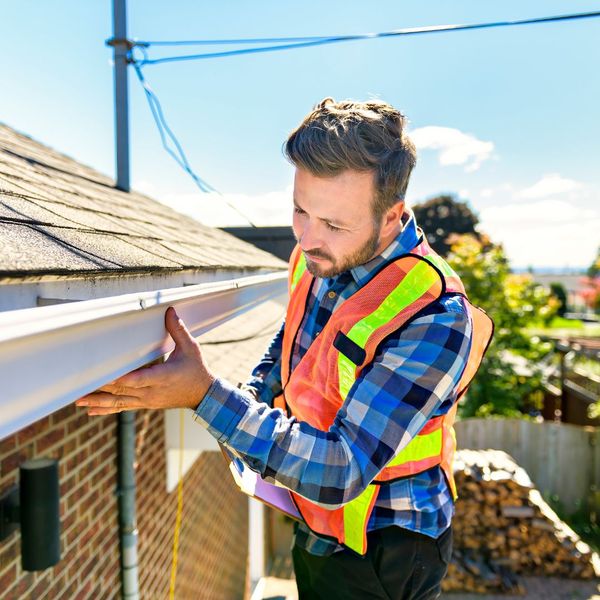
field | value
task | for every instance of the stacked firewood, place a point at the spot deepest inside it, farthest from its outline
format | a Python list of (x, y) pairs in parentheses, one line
[(504, 528)]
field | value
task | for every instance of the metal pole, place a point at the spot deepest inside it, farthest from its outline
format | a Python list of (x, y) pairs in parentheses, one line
[(121, 47), (126, 427), (126, 495)]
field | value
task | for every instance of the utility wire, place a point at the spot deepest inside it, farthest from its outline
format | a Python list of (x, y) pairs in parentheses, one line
[(304, 42), (282, 43), (167, 134), (267, 40)]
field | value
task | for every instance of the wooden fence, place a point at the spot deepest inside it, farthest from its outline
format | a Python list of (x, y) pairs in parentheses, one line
[(562, 460)]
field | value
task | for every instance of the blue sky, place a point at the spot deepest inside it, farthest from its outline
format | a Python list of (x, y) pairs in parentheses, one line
[(504, 118)]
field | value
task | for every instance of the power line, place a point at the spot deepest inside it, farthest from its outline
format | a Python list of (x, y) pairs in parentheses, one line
[(290, 43), (267, 40), (167, 134), (281, 43)]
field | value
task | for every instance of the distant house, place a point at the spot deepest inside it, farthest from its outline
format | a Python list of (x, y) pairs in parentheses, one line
[(84, 271), (571, 281)]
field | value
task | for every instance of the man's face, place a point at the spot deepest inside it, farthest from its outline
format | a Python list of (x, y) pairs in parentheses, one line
[(333, 221)]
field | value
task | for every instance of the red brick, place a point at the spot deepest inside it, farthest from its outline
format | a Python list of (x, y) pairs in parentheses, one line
[(9, 552), (74, 534), (22, 585), (84, 592), (88, 433), (26, 435), (68, 448), (53, 437), (100, 441), (61, 416), (8, 444), (40, 589), (86, 570), (12, 461), (72, 462)]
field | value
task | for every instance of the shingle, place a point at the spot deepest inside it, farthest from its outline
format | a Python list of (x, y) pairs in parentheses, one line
[(58, 215), (125, 254), (26, 249)]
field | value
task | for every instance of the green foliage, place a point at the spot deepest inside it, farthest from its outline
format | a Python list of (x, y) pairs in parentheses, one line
[(560, 293), (443, 217), (509, 382), (560, 323), (594, 269)]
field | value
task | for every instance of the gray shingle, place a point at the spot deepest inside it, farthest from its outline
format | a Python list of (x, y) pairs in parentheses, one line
[(59, 216)]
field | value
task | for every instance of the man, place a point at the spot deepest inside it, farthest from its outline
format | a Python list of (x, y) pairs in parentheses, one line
[(352, 406)]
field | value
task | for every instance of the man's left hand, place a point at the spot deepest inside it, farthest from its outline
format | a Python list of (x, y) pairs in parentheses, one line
[(180, 382)]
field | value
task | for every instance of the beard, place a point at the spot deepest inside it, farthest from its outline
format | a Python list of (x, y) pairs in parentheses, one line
[(359, 257)]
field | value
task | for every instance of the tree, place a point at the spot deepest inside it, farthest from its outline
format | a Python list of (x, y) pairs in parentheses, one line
[(509, 381), (441, 218), (558, 290), (594, 269)]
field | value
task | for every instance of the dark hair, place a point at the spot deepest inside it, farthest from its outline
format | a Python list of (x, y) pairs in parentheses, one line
[(361, 136)]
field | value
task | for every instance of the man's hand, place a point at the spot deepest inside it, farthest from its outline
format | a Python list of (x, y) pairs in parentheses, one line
[(180, 382)]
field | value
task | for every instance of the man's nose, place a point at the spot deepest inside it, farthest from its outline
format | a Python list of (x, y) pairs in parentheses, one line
[(309, 238)]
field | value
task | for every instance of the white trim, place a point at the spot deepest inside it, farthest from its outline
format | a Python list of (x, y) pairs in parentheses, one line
[(195, 441), (25, 291), (256, 543), (52, 355)]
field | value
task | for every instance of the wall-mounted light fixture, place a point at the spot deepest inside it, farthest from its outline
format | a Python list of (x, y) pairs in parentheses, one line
[(34, 504)]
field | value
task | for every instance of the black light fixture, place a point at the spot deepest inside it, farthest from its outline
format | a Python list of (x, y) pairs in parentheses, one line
[(34, 504)]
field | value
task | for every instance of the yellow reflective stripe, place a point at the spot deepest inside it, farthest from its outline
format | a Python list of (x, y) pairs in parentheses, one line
[(356, 515), (298, 271), (442, 265), (419, 448), (416, 282)]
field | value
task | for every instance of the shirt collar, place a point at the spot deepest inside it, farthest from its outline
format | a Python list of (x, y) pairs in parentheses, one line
[(404, 242)]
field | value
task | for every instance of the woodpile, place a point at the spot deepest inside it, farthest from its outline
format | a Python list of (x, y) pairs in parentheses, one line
[(503, 528)]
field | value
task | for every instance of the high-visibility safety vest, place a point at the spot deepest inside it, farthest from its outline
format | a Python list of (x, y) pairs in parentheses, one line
[(317, 387)]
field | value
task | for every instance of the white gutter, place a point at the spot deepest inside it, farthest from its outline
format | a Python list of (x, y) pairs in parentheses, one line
[(52, 355)]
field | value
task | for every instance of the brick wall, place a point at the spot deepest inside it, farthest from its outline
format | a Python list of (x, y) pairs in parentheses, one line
[(213, 542), (89, 540)]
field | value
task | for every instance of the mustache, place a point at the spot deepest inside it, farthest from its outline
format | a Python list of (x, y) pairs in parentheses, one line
[(317, 254)]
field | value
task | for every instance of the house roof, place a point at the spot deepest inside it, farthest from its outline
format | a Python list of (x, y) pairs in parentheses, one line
[(60, 217)]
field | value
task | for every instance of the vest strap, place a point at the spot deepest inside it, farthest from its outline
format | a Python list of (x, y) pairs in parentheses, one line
[(299, 269), (356, 516), (419, 279), (419, 448)]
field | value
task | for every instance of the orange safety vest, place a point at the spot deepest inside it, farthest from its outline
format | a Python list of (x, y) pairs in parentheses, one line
[(318, 386)]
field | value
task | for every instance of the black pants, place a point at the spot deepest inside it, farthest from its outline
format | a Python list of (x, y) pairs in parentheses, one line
[(399, 565)]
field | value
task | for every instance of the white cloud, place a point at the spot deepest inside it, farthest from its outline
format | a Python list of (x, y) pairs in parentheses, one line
[(215, 210), (550, 185), (544, 233), (455, 147)]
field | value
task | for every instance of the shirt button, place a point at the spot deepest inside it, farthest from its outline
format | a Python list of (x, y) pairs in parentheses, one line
[(331, 295)]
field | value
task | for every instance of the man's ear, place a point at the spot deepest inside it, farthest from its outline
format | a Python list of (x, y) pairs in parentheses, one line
[(391, 218)]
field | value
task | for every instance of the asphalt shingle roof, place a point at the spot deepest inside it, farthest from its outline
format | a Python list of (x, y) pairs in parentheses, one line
[(58, 216)]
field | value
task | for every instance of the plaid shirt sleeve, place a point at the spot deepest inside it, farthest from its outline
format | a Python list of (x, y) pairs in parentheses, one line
[(413, 377), (265, 381)]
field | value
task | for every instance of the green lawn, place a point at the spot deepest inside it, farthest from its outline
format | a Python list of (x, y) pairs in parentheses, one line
[(560, 327)]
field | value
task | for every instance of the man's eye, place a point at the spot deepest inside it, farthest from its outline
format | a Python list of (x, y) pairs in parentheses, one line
[(332, 227), (298, 211)]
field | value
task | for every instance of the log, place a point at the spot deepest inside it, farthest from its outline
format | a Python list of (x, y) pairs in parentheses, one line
[(503, 528)]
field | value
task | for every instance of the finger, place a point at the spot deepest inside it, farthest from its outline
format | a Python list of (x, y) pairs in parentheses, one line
[(102, 400), (143, 377), (98, 412), (178, 331)]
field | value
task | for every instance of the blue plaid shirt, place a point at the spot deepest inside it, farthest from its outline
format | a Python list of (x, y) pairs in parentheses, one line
[(412, 378)]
